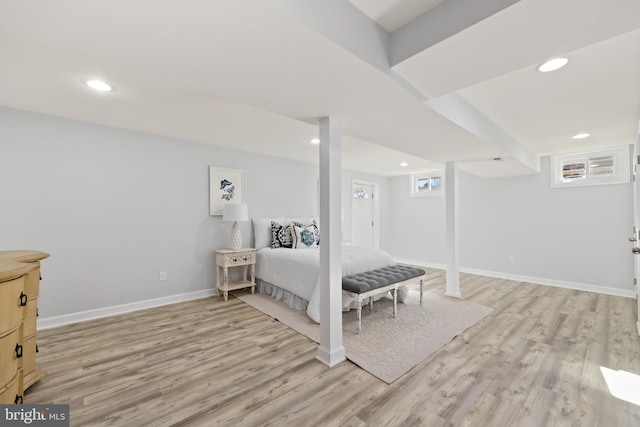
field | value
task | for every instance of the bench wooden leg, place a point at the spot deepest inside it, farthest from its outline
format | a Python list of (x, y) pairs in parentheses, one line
[(394, 292), (359, 316), (393, 288)]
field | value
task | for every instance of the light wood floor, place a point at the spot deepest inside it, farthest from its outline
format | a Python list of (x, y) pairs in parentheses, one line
[(535, 361)]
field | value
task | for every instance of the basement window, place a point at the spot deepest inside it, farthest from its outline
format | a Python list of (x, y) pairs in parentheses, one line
[(427, 184), (591, 168)]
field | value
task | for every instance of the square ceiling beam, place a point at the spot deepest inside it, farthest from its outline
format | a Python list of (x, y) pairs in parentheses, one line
[(440, 23)]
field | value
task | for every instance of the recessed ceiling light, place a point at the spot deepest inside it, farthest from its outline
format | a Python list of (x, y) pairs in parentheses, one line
[(404, 164), (553, 64), (99, 85), (581, 135), (315, 141)]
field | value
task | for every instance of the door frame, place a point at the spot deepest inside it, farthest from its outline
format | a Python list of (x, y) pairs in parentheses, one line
[(376, 208), (636, 223)]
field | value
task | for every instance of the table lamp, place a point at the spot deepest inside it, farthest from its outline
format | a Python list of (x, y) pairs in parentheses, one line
[(235, 213)]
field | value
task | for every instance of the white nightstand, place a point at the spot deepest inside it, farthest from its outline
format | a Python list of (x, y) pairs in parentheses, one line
[(226, 258)]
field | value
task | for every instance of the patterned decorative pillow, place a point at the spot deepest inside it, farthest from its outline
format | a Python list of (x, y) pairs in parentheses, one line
[(281, 236), (305, 236), (314, 224)]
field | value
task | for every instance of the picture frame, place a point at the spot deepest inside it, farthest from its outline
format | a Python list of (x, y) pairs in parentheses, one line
[(226, 187)]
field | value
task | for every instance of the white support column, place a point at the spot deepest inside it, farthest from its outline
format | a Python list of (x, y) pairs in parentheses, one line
[(331, 351), (452, 231)]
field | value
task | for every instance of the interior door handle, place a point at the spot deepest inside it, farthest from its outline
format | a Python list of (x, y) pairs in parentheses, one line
[(636, 251), (633, 239)]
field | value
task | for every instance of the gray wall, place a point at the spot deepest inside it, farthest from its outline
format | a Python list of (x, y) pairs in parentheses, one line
[(417, 229), (114, 208), (519, 226)]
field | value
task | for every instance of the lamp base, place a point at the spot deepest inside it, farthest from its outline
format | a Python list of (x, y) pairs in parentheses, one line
[(236, 236)]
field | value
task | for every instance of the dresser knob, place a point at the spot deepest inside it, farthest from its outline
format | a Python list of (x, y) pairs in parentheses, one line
[(23, 299), (18, 351), (18, 400)]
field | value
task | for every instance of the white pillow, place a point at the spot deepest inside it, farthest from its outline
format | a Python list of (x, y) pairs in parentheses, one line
[(262, 232), (304, 237)]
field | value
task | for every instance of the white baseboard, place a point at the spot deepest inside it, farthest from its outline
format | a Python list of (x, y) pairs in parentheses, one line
[(627, 293), (420, 263), (65, 319)]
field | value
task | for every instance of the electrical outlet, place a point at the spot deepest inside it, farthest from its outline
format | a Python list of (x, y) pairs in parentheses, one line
[(162, 276)]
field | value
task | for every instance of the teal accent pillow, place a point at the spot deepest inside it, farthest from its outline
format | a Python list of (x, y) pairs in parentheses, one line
[(313, 224), (304, 236)]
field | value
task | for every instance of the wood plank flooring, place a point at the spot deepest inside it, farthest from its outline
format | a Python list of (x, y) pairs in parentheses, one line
[(534, 361)]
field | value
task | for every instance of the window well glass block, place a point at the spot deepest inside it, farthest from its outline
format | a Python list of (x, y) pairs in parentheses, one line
[(601, 166), (574, 170), (423, 184), (436, 183)]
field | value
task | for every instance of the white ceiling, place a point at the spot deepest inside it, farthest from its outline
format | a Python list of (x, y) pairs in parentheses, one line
[(393, 14), (256, 75)]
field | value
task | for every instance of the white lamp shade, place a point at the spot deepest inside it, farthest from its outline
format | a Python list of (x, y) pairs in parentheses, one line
[(233, 213)]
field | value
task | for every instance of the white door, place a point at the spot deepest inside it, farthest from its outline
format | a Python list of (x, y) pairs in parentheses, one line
[(362, 215), (635, 238)]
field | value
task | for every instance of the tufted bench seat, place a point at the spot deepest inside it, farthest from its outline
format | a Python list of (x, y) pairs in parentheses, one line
[(380, 281)]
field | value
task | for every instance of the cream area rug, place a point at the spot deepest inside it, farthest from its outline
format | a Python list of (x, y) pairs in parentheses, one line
[(386, 347)]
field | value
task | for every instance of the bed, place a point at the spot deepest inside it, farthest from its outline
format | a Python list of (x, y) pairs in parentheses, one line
[(292, 274)]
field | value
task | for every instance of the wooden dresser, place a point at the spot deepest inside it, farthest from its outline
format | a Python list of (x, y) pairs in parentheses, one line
[(19, 290)]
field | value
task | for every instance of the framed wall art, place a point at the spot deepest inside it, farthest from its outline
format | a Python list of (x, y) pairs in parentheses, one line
[(226, 186)]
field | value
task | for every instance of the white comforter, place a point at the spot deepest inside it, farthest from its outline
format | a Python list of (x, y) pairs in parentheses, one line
[(297, 270)]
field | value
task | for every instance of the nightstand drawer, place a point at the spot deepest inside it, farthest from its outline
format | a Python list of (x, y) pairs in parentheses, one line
[(230, 259)]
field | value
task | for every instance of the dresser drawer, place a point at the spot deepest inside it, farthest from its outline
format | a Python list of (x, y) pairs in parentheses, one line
[(12, 296), (30, 318), (32, 281), (12, 392), (29, 355), (11, 352)]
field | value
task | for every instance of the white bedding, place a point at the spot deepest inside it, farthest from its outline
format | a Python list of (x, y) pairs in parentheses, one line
[(297, 270)]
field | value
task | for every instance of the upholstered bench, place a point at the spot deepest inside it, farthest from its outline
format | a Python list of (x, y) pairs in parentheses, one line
[(380, 281)]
